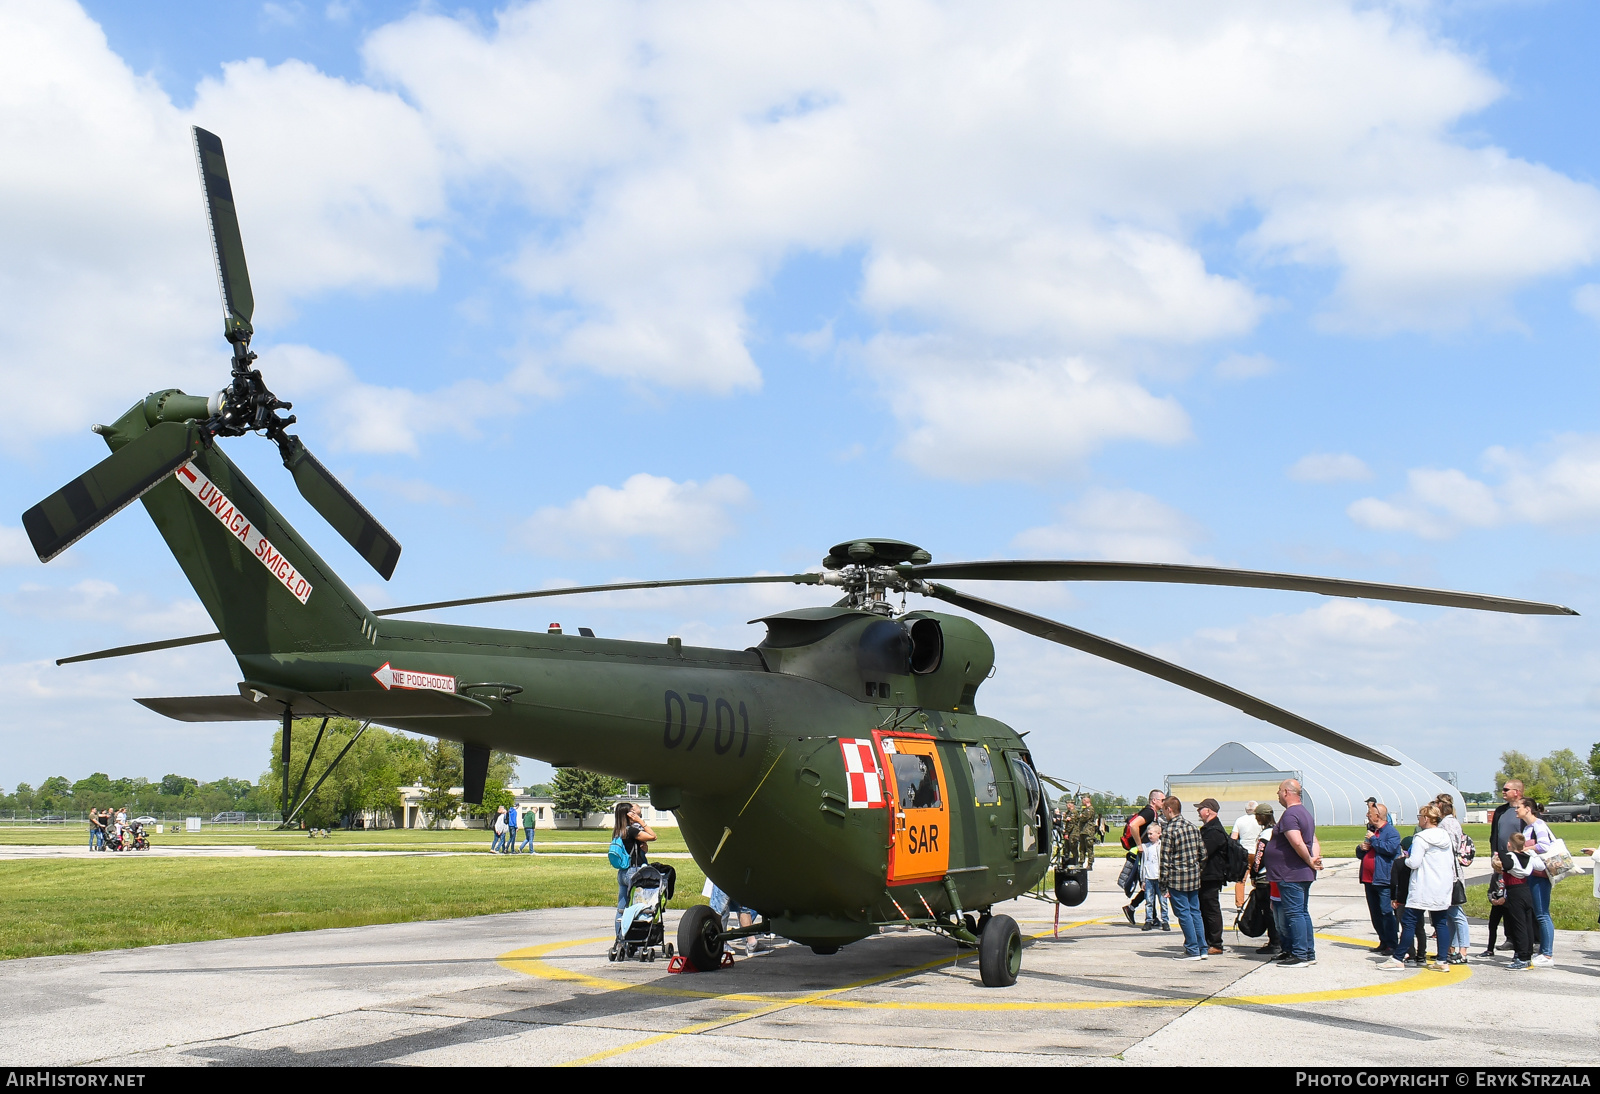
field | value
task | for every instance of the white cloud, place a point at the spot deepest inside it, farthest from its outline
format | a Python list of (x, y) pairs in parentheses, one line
[(1116, 524), (98, 602), (1013, 418), (1558, 486), (684, 517), (1021, 182), (1024, 183), (15, 550), (361, 417), (1330, 467), (106, 280)]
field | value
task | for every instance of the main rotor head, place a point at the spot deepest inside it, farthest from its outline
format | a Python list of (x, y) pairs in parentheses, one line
[(872, 570)]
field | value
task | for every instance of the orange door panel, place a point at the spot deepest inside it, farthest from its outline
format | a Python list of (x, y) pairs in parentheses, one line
[(921, 810)]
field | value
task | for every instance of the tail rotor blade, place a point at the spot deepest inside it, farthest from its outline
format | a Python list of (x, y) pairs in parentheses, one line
[(1174, 674), (120, 479), (227, 246), (340, 508)]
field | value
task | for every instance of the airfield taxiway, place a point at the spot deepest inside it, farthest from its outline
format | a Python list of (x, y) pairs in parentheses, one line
[(535, 988)]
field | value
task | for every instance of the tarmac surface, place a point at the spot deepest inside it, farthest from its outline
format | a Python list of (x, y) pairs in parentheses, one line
[(535, 988)]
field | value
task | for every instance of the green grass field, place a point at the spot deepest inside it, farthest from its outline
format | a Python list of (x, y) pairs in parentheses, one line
[(388, 839), (1572, 904), (76, 906), (120, 901)]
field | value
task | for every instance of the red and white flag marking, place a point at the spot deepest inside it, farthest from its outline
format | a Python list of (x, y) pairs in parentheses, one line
[(861, 773), (413, 681), (238, 525)]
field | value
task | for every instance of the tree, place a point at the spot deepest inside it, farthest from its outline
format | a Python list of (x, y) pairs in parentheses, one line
[(1565, 774), (578, 793), (178, 786), (368, 778), (1515, 765), (22, 797), (54, 795), (440, 777)]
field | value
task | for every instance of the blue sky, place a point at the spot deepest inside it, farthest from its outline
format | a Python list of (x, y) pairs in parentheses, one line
[(575, 292)]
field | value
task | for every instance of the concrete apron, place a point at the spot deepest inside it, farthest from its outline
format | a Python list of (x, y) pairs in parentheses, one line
[(535, 987)]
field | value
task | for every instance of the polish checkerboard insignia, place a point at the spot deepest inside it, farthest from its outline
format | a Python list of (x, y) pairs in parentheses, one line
[(861, 773)]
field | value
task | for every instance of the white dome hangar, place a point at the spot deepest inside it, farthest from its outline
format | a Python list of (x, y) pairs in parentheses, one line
[(1336, 786)]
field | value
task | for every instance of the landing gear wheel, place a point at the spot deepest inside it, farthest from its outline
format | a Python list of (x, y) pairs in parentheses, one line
[(700, 938), (999, 952)]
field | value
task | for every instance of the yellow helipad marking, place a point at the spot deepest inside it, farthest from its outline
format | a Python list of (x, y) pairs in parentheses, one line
[(530, 961)]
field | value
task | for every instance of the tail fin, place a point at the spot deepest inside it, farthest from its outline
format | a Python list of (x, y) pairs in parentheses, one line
[(266, 589)]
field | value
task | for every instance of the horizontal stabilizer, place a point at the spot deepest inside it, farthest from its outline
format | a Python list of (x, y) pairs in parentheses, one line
[(212, 708), (378, 706)]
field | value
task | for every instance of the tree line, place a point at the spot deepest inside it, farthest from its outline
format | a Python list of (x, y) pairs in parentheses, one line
[(1561, 776), (371, 769)]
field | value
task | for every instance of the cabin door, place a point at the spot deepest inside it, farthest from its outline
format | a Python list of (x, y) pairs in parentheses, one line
[(921, 810)]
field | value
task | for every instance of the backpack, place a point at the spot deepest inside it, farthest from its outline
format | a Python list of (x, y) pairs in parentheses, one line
[(618, 855), (1129, 840), (1237, 862)]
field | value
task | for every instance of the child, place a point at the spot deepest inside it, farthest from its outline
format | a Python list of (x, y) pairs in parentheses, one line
[(1515, 864), (1155, 914)]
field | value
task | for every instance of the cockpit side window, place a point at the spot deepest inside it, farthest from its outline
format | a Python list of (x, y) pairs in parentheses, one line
[(984, 786)]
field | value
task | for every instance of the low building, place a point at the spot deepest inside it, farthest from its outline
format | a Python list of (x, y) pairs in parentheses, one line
[(410, 814), (1336, 786)]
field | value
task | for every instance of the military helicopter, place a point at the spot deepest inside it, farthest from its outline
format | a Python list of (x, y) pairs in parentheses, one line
[(853, 728)]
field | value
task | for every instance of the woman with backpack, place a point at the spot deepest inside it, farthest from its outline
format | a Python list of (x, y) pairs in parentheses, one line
[(629, 834)]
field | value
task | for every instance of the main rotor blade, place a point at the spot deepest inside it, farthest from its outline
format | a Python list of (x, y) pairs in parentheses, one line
[(197, 639), (1072, 570), (793, 579), (142, 647), (227, 246), (340, 508), (120, 479), (1165, 670)]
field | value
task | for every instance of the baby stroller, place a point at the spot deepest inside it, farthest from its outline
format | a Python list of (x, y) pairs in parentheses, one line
[(643, 922), (139, 841), (114, 838)]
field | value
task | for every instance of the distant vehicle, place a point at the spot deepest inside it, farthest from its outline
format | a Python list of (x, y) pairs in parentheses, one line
[(1572, 811), (145, 820), (230, 817), (52, 819)]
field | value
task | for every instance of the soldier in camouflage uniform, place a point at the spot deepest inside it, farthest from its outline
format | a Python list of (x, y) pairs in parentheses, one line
[(1084, 831)]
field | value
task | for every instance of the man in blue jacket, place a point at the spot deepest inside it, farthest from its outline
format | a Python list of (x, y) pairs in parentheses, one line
[(1377, 854)]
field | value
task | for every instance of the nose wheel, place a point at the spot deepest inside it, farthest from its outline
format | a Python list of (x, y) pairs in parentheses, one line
[(999, 952)]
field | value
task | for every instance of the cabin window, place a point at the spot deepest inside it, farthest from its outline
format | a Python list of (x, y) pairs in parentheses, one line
[(916, 781), (984, 787), (1027, 785)]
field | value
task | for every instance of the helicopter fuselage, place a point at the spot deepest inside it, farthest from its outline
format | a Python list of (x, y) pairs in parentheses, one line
[(753, 751)]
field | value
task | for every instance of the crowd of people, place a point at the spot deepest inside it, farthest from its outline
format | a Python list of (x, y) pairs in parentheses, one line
[(110, 830), (1412, 883), (505, 825)]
